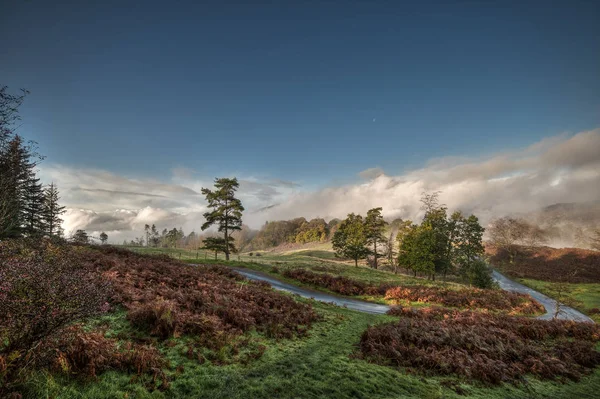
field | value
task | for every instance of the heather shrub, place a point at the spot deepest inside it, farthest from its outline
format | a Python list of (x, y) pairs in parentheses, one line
[(492, 348), (497, 300), (165, 298)]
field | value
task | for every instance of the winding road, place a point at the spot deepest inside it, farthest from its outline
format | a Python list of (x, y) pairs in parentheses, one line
[(566, 312), (369, 307)]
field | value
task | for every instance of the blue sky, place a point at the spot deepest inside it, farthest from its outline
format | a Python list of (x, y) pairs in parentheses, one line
[(307, 92)]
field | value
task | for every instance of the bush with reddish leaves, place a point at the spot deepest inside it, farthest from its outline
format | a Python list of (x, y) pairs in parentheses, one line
[(487, 347), (497, 300), (166, 297)]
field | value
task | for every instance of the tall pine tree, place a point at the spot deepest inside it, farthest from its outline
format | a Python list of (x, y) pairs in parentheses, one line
[(52, 211), (33, 206), (226, 209)]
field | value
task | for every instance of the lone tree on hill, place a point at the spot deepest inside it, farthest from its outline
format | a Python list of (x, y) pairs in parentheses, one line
[(226, 209), (374, 228), (350, 239), (103, 238)]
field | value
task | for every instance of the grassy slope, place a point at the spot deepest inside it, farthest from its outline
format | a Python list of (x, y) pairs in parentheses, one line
[(314, 367)]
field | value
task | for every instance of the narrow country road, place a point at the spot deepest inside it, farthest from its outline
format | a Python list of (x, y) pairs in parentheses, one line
[(566, 312), (354, 304), (369, 307)]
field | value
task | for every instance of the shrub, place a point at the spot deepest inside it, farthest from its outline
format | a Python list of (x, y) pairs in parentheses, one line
[(487, 347), (166, 297), (44, 289), (467, 298)]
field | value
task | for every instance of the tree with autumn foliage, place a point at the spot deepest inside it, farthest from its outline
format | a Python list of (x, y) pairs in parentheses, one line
[(226, 209)]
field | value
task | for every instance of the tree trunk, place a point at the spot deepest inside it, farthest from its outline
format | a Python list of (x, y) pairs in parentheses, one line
[(215, 255), (356, 262), (375, 254)]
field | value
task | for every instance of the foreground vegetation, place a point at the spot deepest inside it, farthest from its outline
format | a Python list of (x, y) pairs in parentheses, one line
[(487, 347), (171, 330)]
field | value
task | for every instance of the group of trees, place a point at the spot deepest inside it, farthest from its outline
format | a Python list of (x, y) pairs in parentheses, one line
[(27, 208), (358, 238), (444, 244), (441, 244), (510, 234), (297, 230)]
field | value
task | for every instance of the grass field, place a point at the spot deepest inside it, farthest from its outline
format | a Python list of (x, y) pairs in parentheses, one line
[(321, 364), (317, 366)]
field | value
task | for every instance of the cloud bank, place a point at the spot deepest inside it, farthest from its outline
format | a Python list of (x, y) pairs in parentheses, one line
[(554, 170)]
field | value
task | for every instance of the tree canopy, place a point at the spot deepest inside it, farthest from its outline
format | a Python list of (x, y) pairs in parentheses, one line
[(350, 239)]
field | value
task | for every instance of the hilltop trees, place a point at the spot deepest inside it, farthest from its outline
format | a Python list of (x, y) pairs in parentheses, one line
[(226, 209), (350, 239), (103, 238)]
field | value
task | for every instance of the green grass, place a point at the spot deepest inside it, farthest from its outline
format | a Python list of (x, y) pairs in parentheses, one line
[(317, 260), (585, 296), (317, 366)]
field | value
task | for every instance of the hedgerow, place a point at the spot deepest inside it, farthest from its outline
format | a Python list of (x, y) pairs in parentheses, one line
[(496, 300), (492, 348)]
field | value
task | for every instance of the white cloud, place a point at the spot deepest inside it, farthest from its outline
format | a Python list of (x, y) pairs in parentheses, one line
[(557, 169)]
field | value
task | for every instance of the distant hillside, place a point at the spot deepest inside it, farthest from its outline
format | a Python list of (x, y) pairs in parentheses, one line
[(568, 224), (549, 264)]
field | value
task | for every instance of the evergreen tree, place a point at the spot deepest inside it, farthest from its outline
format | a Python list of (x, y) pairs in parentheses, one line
[(52, 211), (226, 209), (103, 238), (350, 239), (33, 206), (374, 232)]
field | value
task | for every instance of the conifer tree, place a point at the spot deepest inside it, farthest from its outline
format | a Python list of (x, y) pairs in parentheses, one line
[(226, 209), (32, 206), (52, 211)]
